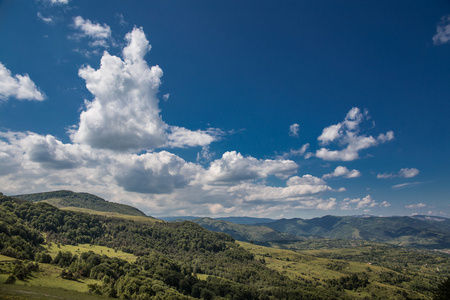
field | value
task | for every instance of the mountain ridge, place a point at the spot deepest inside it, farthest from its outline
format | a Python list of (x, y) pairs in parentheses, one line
[(412, 231), (66, 198)]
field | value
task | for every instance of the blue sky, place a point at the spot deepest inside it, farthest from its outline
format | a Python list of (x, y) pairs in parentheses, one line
[(219, 108)]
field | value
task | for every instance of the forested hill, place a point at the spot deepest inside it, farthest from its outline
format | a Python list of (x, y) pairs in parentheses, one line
[(63, 199)]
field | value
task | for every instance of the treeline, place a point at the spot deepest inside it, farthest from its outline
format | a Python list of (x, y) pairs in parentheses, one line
[(170, 255)]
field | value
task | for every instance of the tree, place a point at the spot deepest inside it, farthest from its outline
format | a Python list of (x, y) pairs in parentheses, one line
[(443, 290)]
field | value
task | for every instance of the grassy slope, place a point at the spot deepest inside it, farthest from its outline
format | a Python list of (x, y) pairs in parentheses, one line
[(317, 269), (47, 283), (81, 248), (145, 219), (21, 292)]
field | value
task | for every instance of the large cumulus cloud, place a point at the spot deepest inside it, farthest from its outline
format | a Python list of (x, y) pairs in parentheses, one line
[(124, 114)]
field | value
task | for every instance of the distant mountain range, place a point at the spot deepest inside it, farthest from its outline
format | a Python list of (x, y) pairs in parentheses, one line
[(236, 220), (415, 231), (69, 199)]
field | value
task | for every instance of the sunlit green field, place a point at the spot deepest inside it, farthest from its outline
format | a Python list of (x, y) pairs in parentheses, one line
[(149, 220), (47, 282), (80, 248), (307, 267)]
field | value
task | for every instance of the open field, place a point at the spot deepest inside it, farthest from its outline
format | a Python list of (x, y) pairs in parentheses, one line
[(81, 248), (46, 283), (21, 292), (382, 282)]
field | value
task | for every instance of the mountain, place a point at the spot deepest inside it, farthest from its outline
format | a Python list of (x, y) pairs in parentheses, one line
[(235, 220), (178, 218), (246, 220), (245, 233), (69, 199), (418, 232)]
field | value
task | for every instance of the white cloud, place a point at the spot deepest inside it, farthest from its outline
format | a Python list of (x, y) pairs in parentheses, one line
[(19, 86), (408, 172), (234, 167), (294, 129), (59, 1), (389, 136), (403, 173), (124, 115), (305, 180), (205, 155), (294, 152), (262, 194), (358, 203), (47, 20), (442, 35), (414, 206), (347, 134), (404, 185), (153, 173), (180, 137), (344, 172), (162, 183), (30, 155), (98, 33)]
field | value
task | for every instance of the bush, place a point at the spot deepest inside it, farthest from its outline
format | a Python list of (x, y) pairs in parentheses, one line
[(11, 279)]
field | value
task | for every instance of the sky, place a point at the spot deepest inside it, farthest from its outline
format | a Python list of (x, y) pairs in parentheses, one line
[(280, 109)]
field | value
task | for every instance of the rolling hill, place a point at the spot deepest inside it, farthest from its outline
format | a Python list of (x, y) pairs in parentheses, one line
[(69, 199)]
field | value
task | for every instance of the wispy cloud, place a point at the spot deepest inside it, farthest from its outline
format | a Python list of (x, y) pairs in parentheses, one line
[(442, 35), (405, 185), (414, 206), (294, 152), (403, 173), (47, 20), (58, 2), (294, 129)]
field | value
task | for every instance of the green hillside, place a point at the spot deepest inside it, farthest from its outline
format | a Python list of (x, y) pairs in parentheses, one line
[(62, 199)]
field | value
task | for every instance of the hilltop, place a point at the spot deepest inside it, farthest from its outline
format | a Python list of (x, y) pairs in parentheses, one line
[(69, 199)]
